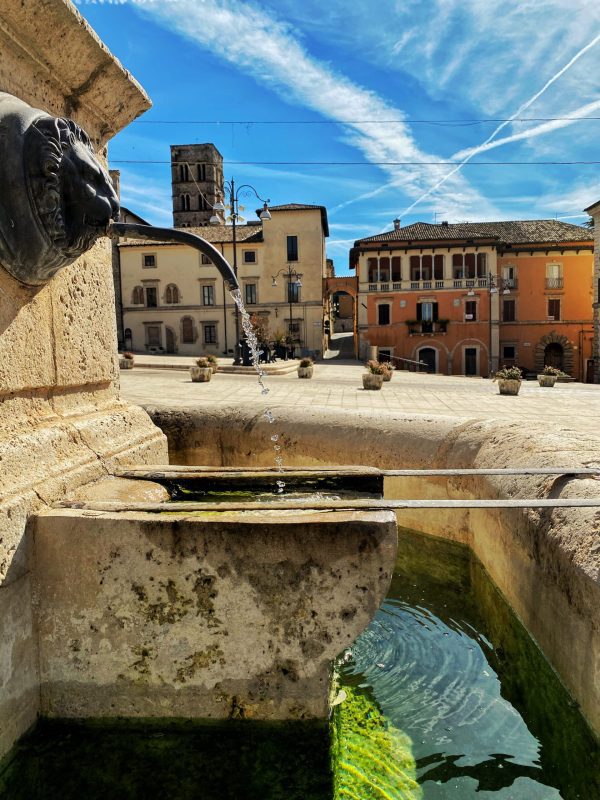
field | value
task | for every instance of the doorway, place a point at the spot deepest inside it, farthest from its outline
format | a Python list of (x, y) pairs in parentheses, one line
[(553, 355), (470, 361), (429, 356), (170, 340)]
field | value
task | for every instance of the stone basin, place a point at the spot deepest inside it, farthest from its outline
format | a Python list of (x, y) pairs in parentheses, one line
[(203, 613)]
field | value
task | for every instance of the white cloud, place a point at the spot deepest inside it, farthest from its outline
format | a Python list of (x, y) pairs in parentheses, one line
[(269, 49)]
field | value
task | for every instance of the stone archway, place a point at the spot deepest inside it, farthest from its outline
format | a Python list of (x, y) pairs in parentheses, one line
[(553, 341)]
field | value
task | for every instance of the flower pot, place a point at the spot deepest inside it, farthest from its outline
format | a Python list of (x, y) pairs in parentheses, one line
[(387, 376), (305, 372), (546, 380), (372, 381), (126, 363), (509, 387), (201, 374)]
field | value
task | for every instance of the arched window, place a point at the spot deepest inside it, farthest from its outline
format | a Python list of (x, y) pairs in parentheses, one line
[(137, 297), (171, 294), (185, 202), (187, 330)]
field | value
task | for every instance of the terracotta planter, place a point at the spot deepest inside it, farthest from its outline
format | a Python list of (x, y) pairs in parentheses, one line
[(126, 363), (509, 387), (305, 372), (546, 380), (372, 381), (201, 374), (214, 368)]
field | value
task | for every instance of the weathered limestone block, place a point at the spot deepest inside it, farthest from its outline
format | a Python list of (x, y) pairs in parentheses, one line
[(545, 562), (203, 615), (62, 423)]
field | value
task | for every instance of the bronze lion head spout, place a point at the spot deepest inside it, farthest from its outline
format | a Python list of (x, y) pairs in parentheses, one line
[(56, 199)]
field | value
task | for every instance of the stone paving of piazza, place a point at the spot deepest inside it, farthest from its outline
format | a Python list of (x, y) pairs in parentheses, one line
[(339, 385)]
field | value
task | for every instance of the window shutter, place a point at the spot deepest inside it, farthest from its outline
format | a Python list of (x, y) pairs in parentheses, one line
[(419, 312), (435, 312)]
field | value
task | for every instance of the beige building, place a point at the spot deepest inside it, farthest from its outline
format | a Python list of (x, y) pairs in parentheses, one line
[(175, 301)]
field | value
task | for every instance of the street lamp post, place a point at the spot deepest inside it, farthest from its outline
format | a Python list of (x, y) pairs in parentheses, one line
[(291, 273), (245, 190)]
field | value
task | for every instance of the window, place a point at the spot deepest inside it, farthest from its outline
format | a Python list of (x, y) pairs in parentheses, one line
[(210, 334), (427, 268), (249, 256), (554, 309), (205, 259), (509, 351), (171, 294), (373, 269), (469, 265), (509, 276), (554, 276), (396, 268), (383, 314), (137, 296), (427, 311), (471, 310), (250, 294), (185, 202), (148, 260), (187, 330), (384, 269), (201, 172), (153, 335), (292, 248), (151, 297), (508, 311), (293, 292), (208, 295)]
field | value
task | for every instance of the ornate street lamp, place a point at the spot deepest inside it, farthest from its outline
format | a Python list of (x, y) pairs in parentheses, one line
[(233, 206), (291, 273)]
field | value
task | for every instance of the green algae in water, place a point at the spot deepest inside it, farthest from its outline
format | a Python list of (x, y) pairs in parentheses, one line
[(371, 759), (245, 760), (447, 663)]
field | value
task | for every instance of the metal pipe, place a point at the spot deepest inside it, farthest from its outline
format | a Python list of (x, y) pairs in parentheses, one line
[(138, 231)]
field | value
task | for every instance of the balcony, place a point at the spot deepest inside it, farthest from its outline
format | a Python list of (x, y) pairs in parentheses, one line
[(465, 284), (426, 327), (554, 283)]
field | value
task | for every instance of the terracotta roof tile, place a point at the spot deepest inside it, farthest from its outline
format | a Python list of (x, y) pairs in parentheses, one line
[(509, 232)]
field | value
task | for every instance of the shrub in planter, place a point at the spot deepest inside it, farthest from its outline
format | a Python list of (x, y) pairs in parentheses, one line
[(548, 376), (126, 361), (373, 379), (389, 369), (509, 380), (202, 372), (305, 368), (212, 363)]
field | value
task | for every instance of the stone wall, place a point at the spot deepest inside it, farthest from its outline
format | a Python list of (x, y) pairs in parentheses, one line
[(546, 563), (62, 422)]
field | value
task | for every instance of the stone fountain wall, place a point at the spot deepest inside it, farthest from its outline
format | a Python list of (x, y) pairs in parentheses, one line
[(62, 422)]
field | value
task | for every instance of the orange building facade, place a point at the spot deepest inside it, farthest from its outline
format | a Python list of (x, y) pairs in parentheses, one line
[(467, 298)]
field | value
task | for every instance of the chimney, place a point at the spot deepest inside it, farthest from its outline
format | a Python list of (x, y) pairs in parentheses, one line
[(115, 176), (445, 223), (396, 224)]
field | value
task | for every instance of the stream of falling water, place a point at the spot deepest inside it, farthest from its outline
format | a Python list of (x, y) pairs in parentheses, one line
[(264, 390)]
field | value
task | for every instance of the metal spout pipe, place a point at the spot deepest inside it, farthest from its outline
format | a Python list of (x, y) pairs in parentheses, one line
[(135, 230)]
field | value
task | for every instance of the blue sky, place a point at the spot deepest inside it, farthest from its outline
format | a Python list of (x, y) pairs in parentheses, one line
[(416, 82)]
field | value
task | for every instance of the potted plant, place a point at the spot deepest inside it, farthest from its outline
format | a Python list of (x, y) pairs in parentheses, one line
[(126, 361), (202, 372), (388, 370), (212, 363), (373, 378), (305, 368), (509, 380), (549, 376)]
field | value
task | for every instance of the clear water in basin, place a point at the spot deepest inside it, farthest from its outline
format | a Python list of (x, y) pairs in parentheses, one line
[(457, 684), (443, 696)]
